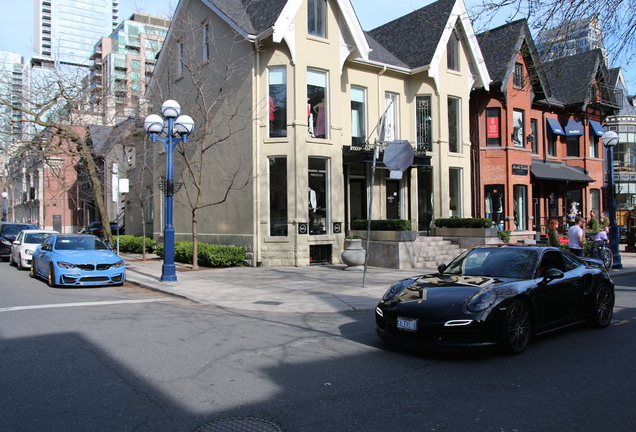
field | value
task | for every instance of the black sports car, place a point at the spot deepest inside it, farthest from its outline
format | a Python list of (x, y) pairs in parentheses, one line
[(492, 295)]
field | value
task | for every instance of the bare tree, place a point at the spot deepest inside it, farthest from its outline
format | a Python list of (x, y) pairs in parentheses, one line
[(54, 121), (211, 81), (617, 19)]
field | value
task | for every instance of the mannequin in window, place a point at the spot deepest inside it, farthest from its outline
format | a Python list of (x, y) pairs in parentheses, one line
[(310, 120), (488, 206), (319, 109)]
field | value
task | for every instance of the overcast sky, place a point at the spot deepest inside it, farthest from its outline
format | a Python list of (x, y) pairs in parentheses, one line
[(16, 19)]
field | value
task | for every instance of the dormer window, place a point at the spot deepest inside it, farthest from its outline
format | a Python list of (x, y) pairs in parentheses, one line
[(452, 52), (518, 78), (316, 18)]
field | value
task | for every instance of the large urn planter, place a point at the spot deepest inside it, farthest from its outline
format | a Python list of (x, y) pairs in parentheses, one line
[(353, 255)]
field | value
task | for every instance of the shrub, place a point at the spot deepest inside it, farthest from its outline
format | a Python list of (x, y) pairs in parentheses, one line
[(504, 235), (208, 255), (463, 223), (382, 225), (132, 244)]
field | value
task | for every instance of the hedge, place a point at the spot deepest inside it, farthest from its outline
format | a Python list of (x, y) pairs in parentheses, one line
[(463, 223), (208, 255), (382, 225), (132, 244)]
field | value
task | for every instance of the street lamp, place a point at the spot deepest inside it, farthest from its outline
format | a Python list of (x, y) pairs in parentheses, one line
[(170, 128), (4, 206), (610, 140)]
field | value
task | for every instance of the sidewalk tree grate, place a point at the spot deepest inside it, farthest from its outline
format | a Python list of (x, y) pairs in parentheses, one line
[(239, 424)]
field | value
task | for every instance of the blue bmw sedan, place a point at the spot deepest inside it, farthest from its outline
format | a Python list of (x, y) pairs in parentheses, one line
[(76, 260)]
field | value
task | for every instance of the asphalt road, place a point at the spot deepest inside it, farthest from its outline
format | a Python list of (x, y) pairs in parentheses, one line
[(127, 359)]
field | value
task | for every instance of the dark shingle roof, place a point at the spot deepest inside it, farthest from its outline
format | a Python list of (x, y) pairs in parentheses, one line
[(414, 38), (380, 54), (252, 16), (500, 47), (570, 77)]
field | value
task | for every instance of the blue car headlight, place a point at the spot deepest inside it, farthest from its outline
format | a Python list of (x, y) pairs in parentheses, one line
[(396, 288), (118, 264), (482, 301), (65, 265)]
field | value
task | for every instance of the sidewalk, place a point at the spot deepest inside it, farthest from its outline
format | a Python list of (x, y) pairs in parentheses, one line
[(320, 289)]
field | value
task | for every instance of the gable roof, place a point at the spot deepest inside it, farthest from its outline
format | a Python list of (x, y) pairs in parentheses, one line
[(419, 39), (570, 77), (501, 46)]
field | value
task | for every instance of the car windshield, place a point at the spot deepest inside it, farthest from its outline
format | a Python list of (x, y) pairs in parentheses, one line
[(35, 237), (11, 229), (506, 262), (79, 243)]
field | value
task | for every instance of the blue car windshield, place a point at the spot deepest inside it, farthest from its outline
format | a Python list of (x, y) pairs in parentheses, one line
[(79, 243), (506, 262)]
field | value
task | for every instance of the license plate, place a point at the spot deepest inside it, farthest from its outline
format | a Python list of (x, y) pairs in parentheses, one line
[(407, 324)]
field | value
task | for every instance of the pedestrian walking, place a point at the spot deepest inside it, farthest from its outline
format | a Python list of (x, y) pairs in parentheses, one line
[(576, 236), (553, 233)]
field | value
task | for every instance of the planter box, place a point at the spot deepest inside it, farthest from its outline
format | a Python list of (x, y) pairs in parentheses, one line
[(466, 232), (467, 238), (390, 236)]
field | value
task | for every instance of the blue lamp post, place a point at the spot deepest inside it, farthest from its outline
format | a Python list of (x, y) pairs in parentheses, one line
[(170, 128), (610, 140)]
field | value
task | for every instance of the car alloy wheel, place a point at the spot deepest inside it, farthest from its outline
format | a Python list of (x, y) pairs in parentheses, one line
[(603, 306), (33, 269), (51, 276), (517, 327), (19, 263)]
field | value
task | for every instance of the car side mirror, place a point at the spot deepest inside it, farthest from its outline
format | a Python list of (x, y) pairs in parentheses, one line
[(16, 242), (551, 274), (47, 247), (441, 268)]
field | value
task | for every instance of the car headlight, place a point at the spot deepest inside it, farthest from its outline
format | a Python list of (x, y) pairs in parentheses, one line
[(481, 301), (6, 242), (65, 265), (118, 264), (28, 252), (396, 288)]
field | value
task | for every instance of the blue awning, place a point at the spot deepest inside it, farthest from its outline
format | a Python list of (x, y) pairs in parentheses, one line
[(555, 126), (574, 128), (596, 128)]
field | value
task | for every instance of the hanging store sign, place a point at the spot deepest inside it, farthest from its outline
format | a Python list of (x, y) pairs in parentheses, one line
[(518, 169)]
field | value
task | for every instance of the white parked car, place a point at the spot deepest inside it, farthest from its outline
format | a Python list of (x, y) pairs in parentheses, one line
[(24, 245)]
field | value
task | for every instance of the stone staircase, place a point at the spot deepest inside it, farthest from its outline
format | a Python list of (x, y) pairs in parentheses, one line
[(430, 252)]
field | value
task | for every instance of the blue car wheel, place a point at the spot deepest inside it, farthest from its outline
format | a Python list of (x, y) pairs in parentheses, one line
[(51, 277)]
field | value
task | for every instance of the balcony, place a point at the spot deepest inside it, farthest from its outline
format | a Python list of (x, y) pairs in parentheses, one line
[(606, 96)]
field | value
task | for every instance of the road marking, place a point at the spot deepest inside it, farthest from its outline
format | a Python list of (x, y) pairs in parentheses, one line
[(625, 321), (101, 303)]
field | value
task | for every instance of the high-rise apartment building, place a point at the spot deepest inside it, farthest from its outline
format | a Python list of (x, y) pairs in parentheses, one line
[(571, 38), (66, 30), (123, 64), (13, 75)]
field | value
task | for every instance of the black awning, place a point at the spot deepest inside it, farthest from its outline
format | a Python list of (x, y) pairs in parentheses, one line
[(366, 156), (558, 171)]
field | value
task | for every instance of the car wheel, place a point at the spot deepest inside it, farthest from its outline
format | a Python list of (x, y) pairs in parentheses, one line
[(32, 271), (19, 263), (11, 259), (51, 277), (517, 328), (603, 306)]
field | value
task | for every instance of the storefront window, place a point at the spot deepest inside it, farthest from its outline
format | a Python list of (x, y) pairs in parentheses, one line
[(277, 196), (318, 196)]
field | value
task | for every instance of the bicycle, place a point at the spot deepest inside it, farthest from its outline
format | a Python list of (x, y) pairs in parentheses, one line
[(601, 250)]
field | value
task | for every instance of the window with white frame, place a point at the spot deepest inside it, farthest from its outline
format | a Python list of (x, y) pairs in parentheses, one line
[(278, 196), (277, 82), (518, 78), (454, 123), (206, 41), (455, 192), (358, 116), (179, 59), (318, 196), (452, 52), (317, 104), (518, 128), (392, 119), (424, 122), (317, 18)]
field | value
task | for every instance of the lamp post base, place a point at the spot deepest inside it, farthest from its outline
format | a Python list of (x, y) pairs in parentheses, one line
[(168, 273)]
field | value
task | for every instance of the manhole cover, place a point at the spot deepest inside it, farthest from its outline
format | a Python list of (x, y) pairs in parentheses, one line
[(240, 424)]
